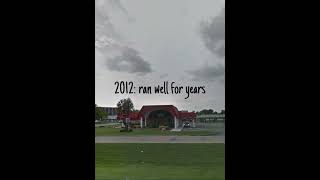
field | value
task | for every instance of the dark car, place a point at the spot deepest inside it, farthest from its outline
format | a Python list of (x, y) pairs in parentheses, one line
[(186, 124)]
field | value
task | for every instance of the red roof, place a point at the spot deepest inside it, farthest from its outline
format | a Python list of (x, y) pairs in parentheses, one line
[(187, 115), (149, 108)]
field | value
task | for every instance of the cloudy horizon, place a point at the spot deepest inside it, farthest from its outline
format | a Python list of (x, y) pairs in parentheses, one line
[(151, 41)]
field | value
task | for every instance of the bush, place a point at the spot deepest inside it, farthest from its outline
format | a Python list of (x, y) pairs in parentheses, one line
[(126, 130), (136, 126), (164, 127)]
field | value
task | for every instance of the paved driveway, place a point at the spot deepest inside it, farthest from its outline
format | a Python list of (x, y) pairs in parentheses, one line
[(159, 139)]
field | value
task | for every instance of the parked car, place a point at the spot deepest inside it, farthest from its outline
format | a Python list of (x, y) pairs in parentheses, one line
[(186, 124)]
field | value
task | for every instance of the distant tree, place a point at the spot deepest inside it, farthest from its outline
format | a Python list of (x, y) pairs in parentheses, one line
[(100, 113), (203, 111), (222, 112), (125, 106), (206, 111)]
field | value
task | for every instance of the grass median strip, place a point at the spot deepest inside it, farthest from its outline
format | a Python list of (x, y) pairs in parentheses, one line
[(159, 161)]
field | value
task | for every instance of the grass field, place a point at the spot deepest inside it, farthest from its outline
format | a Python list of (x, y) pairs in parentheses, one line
[(159, 161), (105, 131)]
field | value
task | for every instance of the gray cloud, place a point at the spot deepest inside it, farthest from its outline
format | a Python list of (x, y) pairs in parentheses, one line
[(129, 61), (213, 34), (171, 42), (118, 4), (164, 75), (108, 41), (105, 33), (208, 73)]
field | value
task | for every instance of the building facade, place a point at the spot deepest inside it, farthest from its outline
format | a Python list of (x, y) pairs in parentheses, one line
[(154, 116), (112, 113)]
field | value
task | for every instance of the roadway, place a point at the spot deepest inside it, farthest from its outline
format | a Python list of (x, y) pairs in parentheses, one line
[(160, 139)]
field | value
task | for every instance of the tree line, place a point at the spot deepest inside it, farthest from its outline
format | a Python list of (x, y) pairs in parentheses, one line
[(100, 113), (209, 111)]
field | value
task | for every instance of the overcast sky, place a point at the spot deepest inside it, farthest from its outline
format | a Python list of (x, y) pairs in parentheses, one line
[(151, 41)]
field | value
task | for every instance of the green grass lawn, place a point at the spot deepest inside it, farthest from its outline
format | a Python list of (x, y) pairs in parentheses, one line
[(159, 161), (105, 131)]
